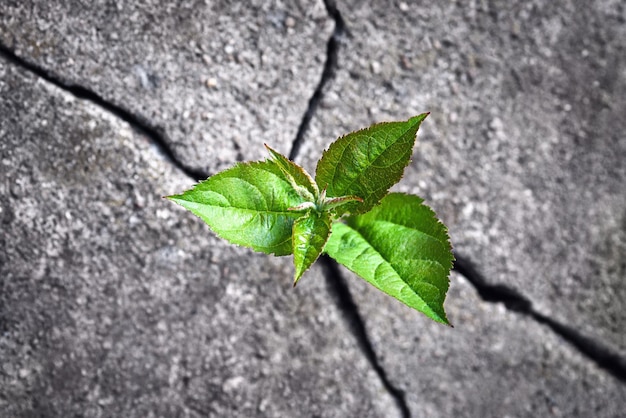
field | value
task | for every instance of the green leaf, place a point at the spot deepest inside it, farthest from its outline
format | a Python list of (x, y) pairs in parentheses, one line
[(310, 233), (367, 163), (401, 248), (300, 180), (247, 205)]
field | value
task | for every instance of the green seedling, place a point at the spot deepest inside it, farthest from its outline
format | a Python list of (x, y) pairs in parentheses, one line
[(392, 240)]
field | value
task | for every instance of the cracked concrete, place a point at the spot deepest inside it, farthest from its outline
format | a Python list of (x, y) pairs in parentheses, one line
[(506, 169), (482, 69), (338, 288), (493, 363), (522, 157), (116, 303), (178, 66), (595, 350), (328, 73)]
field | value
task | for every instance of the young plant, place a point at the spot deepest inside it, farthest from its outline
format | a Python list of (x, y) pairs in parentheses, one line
[(393, 241)]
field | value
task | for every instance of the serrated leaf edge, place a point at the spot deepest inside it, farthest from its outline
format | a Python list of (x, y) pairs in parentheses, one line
[(443, 320), (419, 119), (296, 276), (178, 198)]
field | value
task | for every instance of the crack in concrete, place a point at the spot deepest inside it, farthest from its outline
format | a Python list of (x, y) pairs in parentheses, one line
[(335, 283), (337, 287), (492, 293), (328, 74), (138, 123), (513, 300)]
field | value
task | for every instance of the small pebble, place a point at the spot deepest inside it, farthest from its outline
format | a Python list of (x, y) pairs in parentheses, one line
[(211, 83), (375, 66)]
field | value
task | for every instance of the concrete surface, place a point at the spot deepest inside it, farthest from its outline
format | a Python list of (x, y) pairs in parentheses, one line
[(212, 76), (493, 363), (114, 302), (523, 154)]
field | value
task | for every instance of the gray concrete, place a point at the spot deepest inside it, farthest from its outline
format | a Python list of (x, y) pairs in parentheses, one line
[(213, 76), (523, 154), (114, 302), (523, 158), (493, 363)]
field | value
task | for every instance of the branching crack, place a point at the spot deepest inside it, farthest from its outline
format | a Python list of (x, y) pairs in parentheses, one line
[(515, 301), (138, 123), (335, 282), (493, 293)]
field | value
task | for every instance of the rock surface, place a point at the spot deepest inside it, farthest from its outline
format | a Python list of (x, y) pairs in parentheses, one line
[(114, 302), (523, 153), (492, 363), (211, 76)]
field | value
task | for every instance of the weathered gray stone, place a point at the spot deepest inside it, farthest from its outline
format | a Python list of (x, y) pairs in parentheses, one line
[(494, 363), (523, 154), (219, 78), (115, 302)]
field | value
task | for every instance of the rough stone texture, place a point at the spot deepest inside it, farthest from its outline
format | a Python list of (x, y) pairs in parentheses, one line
[(115, 302), (523, 154), (212, 75), (494, 363)]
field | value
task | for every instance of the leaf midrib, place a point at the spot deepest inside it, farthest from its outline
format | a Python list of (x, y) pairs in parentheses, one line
[(289, 213), (384, 221), (368, 166), (388, 261), (405, 283)]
